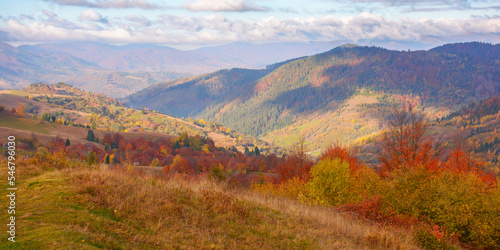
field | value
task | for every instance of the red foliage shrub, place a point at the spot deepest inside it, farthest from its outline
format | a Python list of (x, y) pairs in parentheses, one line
[(375, 209), (460, 162), (341, 152)]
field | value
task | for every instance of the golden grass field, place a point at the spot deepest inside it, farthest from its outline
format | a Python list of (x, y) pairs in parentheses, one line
[(81, 207)]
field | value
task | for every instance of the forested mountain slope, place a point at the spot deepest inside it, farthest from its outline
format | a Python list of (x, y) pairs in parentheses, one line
[(261, 101)]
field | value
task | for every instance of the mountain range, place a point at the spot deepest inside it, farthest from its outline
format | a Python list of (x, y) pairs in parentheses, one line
[(121, 70), (340, 95)]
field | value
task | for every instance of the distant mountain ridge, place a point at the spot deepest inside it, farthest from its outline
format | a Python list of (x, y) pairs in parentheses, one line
[(258, 102), (93, 66), (131, 57)]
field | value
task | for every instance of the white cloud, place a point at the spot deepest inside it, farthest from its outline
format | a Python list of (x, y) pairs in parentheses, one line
[(216, 29), (425, 5), (222, 5), (105, 4), (90, 15)]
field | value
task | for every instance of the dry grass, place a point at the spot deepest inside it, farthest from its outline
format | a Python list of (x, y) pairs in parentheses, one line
[(363, 232), (78, 207), (315, 226)]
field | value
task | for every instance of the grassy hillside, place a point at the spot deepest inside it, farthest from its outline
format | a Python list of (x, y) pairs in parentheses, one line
[(87, 208), (62, 104)]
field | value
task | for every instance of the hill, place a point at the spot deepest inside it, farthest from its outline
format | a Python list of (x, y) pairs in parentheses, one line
[(247, 55), (212, 197), (70, 112), (311, 95), (86, 208)]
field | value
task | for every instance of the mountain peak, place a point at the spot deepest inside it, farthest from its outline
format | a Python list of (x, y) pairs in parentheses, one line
[(348, 46)]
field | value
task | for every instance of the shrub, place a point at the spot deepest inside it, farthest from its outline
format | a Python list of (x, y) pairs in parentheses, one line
[(428, 239), (459, 203), (330, 182)]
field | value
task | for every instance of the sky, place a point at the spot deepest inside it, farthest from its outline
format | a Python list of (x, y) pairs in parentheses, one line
[(201, 23)]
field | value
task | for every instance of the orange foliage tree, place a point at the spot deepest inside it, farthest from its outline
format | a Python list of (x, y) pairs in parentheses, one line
[(460, 162), (298, 164), (20, 109), (403, 143)]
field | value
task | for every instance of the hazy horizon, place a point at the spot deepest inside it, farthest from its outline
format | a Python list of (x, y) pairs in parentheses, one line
[(189, 25)]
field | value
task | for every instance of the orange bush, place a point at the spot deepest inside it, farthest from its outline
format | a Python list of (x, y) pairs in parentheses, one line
[(341, 153)]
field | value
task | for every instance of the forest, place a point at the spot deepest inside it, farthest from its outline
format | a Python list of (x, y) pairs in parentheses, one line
[(257, 102)]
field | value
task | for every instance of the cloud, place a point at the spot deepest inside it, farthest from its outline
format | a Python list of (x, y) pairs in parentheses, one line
[(109, 4), (426, 5), (93, 16), (49, 13), (138, 20), (222, 5), (217, 29)]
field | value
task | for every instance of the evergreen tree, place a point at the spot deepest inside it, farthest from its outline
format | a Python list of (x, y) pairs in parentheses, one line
[(67, 142), (90, 135), (257, 151)]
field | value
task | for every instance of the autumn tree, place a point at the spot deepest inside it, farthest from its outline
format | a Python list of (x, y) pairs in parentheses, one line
[(403, 143), (297, 164), (460, 162), (155, 163), (180, 165), (91, 158), (57, 145), (108, 139), (20, 109)]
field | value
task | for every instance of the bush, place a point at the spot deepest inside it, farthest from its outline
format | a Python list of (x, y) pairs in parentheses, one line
[(330, 182), (428, 239), (460, 203)]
